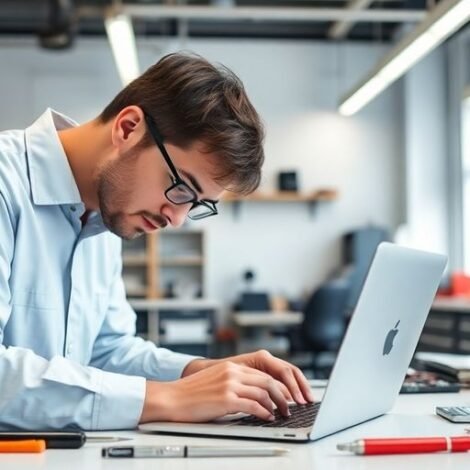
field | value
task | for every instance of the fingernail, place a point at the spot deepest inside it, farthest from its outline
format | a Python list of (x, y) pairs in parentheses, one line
[(271, 418), (310, 396), (300, 399)]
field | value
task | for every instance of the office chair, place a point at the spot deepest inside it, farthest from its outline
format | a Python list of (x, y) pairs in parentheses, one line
[(324, 323), (358, 247)]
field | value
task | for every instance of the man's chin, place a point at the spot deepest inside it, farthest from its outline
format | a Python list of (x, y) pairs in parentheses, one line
[(126, 233), (132, 236)]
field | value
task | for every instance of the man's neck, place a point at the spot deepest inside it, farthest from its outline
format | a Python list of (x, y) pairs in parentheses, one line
[(86, 147)]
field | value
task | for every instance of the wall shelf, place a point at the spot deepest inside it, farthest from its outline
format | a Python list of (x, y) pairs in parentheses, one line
[(311, 198)]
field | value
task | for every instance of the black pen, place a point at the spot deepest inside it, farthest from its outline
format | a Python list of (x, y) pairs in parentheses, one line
[(58, 439), (190, 451)]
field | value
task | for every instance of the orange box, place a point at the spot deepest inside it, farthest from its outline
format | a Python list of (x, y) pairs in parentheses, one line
[(460, 284)]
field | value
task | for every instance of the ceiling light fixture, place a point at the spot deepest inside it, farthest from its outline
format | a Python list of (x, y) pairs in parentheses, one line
[(443, 20), (122, 40)]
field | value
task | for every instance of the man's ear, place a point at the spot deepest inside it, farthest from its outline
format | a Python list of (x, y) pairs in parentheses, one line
[(128, 127)]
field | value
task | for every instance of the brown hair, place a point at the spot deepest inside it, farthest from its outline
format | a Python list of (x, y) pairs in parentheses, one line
[(193, 100)]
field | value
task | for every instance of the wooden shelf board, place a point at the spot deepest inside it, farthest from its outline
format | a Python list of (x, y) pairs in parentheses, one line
[(182, 261), (284, 196), (134, 260)]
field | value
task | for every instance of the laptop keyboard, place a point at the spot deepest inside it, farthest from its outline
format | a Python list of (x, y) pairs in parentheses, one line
[(302, 416)]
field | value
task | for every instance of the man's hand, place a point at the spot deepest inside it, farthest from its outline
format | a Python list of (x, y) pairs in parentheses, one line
[(264, 361), (209, 389)]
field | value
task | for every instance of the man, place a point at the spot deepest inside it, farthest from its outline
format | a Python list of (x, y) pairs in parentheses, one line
[(165, 148)]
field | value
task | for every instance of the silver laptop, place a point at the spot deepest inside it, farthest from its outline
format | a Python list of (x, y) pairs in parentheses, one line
[(372, 361)]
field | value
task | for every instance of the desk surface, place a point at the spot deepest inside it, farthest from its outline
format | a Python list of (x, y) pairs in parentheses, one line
[(452, 304), (412, 415)]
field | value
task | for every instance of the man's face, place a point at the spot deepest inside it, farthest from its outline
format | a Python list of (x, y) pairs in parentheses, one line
[(131, 188)]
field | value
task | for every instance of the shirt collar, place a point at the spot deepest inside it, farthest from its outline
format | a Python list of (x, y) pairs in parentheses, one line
[(51, 178)]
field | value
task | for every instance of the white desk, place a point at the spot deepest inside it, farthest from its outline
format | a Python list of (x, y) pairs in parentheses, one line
[(254, 330), (412, 415)]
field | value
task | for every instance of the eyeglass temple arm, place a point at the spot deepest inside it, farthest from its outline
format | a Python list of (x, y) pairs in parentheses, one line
[(159, 141)]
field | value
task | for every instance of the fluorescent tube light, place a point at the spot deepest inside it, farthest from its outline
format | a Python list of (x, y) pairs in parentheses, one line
[(122, 40), (439, 24)]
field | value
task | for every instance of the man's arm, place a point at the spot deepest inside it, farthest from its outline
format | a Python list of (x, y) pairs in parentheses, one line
[(117, 349), (36, 393)]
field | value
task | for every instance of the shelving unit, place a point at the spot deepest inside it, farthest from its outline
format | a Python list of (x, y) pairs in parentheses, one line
[(150, 264), (172, 257)]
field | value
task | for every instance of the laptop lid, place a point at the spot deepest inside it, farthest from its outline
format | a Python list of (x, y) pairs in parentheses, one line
[(378, 346), (381, 338)]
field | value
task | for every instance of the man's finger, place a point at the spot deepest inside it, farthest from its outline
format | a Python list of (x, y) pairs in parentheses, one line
[(252, 407), (271, 386), (286, 375), (304, 385), (256, 394)]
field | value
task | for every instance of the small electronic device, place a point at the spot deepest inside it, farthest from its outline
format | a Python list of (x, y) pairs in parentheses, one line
[(456, 414)]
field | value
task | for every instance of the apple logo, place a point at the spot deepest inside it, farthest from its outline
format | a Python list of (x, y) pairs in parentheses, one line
[(388, 344)]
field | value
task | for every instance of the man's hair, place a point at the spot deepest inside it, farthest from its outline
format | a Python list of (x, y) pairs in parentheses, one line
[(192, 100)]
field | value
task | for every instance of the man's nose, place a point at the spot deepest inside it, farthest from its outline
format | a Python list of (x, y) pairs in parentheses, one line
[(179, 212)]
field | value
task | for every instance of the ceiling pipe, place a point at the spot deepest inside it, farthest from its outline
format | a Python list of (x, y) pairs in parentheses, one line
[(340, 29), (300, 14)]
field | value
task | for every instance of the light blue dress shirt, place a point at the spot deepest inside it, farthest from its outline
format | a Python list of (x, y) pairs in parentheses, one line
[(68, 352)]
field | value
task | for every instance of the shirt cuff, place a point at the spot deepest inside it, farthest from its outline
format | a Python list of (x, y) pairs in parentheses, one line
[(119, 403)]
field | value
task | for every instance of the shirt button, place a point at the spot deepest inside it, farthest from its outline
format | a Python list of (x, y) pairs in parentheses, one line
[(73, 208)]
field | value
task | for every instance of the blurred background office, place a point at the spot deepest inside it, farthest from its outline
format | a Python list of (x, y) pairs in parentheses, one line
[(366, 105)]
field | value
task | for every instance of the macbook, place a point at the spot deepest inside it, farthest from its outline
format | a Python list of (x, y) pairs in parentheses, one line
[(371, 364)]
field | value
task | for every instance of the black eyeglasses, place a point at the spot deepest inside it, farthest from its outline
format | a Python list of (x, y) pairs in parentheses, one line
[(180, 192)]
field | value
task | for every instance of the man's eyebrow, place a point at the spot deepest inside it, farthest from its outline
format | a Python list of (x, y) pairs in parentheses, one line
[(193, 180)]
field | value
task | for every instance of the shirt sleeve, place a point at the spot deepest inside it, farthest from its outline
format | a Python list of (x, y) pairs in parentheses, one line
[(117, 349), (37, 393)]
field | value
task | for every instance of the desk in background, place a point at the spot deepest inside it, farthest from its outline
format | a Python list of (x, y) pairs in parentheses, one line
[(255, 328), (412, 415)]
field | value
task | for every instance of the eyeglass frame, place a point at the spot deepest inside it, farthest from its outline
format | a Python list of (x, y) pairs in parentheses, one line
[(177, 180)]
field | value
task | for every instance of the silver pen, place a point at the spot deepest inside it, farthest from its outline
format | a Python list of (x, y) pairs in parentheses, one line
[(190, 451), (107, 438)]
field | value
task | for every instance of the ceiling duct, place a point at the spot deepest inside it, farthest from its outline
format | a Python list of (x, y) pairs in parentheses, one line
[(61, 26)]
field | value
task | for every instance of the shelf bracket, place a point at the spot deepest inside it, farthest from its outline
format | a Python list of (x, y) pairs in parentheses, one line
[(313, 208), (236, 208)]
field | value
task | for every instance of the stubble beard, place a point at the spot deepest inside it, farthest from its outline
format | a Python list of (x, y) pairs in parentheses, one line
[(115, 181)]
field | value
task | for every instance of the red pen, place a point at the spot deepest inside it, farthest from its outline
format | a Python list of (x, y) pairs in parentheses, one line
[(407, 445)]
